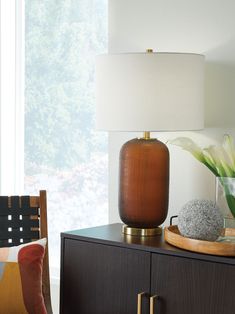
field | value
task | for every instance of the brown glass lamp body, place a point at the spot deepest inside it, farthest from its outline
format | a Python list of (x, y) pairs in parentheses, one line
[(144, 184)]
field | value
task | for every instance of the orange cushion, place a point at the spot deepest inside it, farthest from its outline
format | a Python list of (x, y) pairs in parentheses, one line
[(21, 278)]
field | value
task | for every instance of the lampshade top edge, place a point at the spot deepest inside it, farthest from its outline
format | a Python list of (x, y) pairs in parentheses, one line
[(152, 53)]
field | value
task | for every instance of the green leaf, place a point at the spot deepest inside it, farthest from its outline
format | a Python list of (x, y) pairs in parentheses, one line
[(229, 194)]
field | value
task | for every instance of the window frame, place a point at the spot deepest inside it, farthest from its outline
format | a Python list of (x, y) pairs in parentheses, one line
[(12, 97)]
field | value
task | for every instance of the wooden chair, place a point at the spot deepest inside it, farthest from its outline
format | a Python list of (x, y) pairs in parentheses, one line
[(24, 219)]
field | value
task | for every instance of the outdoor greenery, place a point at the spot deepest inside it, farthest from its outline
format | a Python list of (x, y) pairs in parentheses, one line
[(62, 38), (63, 152)]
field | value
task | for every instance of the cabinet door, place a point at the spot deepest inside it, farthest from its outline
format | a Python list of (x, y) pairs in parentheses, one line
[(187, 286), (102, 279)]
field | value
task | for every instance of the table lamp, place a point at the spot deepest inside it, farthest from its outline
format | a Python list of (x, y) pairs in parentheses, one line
[(147, 92)]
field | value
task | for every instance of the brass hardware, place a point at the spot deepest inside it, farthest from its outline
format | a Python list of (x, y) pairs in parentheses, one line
[(139, 301), (141, 232), (146, 135), (149, 50), (152, 299)]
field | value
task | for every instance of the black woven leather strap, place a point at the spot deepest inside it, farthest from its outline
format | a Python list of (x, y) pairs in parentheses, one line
[(19, 223)]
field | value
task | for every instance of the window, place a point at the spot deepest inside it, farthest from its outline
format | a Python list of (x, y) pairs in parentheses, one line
[(58, 148), (63, 153)]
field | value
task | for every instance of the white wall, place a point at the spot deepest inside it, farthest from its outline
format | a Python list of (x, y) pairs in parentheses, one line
[(200, 26)]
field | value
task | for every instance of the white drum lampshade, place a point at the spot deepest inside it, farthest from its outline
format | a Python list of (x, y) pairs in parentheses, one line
[(150, 92)]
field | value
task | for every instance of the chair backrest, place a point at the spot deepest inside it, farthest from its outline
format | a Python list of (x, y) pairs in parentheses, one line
[(24, 219)]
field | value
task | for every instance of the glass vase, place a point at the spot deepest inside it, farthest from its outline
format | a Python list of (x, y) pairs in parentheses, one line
[(225, 199)]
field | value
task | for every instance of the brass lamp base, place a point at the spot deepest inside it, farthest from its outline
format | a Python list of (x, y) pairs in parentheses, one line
[(141, 232)]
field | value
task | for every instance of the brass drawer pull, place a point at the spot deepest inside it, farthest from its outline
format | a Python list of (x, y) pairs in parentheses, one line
[(139, 301), (152, 302)]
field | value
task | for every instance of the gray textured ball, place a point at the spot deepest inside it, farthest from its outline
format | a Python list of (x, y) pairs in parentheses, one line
[(200, 219)]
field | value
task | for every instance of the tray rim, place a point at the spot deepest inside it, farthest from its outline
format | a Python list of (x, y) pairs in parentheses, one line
[(173, 237)]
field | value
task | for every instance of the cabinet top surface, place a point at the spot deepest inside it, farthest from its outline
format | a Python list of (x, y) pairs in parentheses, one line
[(112, 235)]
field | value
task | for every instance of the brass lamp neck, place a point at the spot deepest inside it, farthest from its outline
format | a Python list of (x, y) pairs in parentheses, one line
[(146, 135)]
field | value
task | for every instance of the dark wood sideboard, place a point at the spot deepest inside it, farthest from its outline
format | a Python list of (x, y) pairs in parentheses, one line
[(104, 271)]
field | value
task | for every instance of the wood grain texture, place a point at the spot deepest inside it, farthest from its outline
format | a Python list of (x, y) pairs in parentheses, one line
[(112, 235), (42, 200), (189, 286), (173, 236), (102, 271), (101, 279)]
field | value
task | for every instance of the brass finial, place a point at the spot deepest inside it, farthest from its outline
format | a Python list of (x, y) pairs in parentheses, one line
[(149, 50)]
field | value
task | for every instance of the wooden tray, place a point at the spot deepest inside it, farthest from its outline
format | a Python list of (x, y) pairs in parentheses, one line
[(173, 236)]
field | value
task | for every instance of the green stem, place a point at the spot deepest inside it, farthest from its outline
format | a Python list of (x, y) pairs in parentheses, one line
[(230, 198)]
